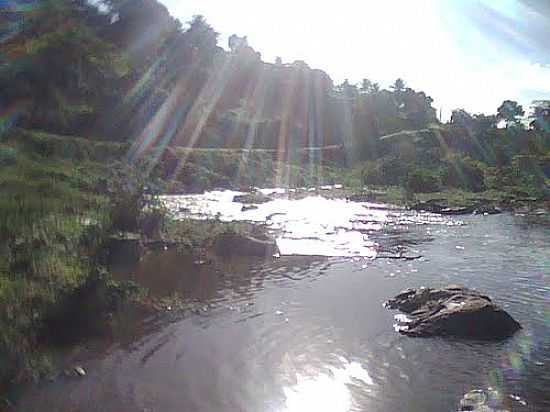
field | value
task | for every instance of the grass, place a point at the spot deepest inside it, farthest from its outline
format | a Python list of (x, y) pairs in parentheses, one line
[(51, 222)]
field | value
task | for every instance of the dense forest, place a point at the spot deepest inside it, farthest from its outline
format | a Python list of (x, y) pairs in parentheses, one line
[(90, 89)]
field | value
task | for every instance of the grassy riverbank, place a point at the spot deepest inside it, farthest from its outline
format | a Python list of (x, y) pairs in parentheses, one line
[(54, 218), (62, 199)]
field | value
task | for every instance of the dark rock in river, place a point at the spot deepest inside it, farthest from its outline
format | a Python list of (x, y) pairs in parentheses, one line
[(452, 311), (125, 247), (233, 244), (440, 206), (487, 210), (252, 198)]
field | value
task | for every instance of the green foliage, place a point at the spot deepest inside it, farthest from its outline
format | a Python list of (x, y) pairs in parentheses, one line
[(421, 180), (82, 69), (52, 222), (510, 112), (464, 173)]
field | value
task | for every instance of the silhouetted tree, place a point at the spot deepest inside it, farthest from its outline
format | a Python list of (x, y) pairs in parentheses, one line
[(236, 43), (510, 112), (398, 85)]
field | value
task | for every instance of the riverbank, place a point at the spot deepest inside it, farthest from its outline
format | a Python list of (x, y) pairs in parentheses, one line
[(65, 202), (55, 214)]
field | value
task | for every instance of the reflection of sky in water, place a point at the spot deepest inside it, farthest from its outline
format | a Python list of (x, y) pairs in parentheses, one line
[(310, 226), (326, 392)]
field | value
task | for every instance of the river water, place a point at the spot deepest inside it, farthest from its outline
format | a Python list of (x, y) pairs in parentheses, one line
[(306, 331)]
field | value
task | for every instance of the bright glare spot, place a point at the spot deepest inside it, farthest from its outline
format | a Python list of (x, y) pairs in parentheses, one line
[(326, 392)]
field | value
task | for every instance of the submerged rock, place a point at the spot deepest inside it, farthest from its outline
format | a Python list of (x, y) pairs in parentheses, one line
[(452, 311), (234, 244)]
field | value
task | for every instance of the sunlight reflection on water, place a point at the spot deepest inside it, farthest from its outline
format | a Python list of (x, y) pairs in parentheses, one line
[(327, 391), (310, 226)]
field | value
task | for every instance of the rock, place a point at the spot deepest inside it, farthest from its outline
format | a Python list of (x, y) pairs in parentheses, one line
[(125, 247), (453, 311), (361, 197), (473, 400), (252, 198), (487, 210), (246, 208), (79, 371), (480, 400), (457, 211), (233, 244), (440, 206), (432, 205)]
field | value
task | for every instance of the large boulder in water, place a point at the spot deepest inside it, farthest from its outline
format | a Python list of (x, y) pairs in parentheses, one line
[(235, 244), (452, 311)]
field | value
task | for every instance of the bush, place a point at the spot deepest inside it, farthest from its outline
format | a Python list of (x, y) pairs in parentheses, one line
[(464, 173), (422, 181)]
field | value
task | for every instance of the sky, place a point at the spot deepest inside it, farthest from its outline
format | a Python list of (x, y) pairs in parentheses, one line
[(470, 54)]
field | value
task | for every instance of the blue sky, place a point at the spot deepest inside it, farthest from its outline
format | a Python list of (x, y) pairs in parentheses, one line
[(470, 54)]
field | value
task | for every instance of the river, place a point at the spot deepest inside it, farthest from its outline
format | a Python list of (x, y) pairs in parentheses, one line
[(306, 331)]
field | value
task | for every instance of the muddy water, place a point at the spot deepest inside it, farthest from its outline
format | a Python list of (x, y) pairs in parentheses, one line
[(309, 333)]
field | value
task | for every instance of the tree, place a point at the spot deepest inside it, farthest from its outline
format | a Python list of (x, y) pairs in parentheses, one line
[(83, 70), (347, 89), (236, 43), (369, 87), (540, 115), (366, 86), (398, 86), (460, 117), (510, 112), (201, 35)]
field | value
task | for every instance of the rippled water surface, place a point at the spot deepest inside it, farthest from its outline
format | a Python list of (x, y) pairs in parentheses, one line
[(309, 333)]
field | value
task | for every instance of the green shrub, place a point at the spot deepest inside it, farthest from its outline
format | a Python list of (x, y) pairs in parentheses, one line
[(464, 173), (422, 181)]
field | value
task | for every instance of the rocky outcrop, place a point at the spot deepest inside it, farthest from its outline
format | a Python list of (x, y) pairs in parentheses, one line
[(452, 311), (234, 244)]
